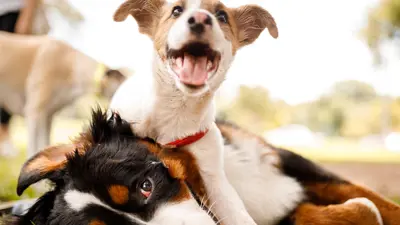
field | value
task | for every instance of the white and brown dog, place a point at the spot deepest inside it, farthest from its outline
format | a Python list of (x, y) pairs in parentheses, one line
[(39, 76), (195, 42)]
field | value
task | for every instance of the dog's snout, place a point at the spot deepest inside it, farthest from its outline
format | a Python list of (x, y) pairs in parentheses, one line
[(197, 28), (199, 21)]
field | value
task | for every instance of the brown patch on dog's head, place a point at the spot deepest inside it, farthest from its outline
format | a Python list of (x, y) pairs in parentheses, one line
[(119, 194), (181, 165)]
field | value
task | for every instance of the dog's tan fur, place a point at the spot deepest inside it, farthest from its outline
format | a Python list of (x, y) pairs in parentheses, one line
[(40, 75), (340, 214), (339, 193)]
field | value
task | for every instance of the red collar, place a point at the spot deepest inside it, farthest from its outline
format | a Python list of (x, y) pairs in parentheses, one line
[(186, 140)]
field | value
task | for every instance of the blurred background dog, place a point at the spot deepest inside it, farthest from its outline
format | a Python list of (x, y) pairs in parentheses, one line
[(40, 75)]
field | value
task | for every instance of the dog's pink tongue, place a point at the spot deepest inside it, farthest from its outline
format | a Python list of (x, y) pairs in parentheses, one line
[(193, 70)]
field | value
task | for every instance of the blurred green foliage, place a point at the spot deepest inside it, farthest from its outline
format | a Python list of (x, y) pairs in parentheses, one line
[(253, 109), (349, 109), (383, 24)]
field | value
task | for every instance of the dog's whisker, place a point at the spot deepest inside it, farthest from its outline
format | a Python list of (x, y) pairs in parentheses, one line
[(210, 208), (220, 220)]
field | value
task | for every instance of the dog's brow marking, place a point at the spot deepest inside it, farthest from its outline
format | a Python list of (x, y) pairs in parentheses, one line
[(78, 200)]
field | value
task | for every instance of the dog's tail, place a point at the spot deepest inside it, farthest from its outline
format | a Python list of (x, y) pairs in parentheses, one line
[(324, 187)]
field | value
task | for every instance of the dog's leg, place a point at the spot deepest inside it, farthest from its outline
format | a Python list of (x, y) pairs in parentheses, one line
[(6, 147), (44, 132), (357, 211), (342, 192), (38, 131), (324, 187), (224, 200)]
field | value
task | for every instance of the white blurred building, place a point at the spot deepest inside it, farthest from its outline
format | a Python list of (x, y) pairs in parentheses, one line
[(392, 141), (293, 135)]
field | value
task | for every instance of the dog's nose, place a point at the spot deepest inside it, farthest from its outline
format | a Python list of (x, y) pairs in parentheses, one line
[(199, 21)]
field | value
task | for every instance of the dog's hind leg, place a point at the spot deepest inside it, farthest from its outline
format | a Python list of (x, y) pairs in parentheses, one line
[(334, 192), (324, 187), (357, 211)]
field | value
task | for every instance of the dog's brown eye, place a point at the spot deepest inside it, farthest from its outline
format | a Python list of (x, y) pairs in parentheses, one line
[(222, 16), (146, 188), (177, 11)]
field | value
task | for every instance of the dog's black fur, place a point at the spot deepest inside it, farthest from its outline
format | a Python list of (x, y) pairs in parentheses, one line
[(115, 158)]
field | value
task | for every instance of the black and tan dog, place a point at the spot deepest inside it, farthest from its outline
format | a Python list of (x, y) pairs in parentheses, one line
[(40, 75), (110, 176)]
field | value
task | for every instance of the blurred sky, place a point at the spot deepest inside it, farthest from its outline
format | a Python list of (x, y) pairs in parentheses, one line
[(319, 44)]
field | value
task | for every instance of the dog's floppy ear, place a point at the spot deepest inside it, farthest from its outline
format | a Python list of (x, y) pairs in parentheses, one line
[(50, 162), (145, 12), (46, 164), (251, 21)]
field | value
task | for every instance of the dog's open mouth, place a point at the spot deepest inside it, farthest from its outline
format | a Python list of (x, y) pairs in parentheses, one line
[(194, 64)]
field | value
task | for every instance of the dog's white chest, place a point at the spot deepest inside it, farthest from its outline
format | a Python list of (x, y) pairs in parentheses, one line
[(267, 194)]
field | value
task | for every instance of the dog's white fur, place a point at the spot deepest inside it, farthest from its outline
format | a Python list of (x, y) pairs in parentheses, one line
[(170, 214), (268, 194)]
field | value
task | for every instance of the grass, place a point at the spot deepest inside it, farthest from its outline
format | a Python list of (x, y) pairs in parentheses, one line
[(10, 167), (9, 170)]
